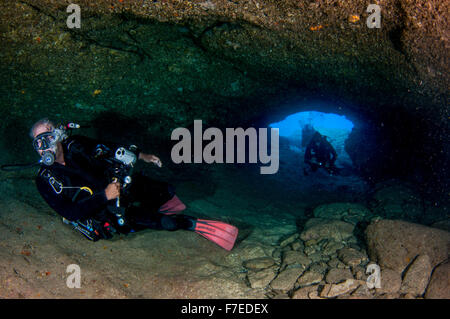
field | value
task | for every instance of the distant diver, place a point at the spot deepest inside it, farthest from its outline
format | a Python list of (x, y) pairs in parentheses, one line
[(90, 184), (320, 154)]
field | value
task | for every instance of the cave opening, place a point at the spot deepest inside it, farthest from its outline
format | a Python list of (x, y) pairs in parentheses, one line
[(299, 128)]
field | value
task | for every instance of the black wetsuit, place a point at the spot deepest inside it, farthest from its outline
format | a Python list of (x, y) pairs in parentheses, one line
[(67, 189), (322, 152)]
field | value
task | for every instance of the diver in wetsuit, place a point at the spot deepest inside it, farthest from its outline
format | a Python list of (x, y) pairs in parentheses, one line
[(76, 180), (320, 153)]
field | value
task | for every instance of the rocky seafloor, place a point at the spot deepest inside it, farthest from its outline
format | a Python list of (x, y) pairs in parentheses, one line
[(301, 237)]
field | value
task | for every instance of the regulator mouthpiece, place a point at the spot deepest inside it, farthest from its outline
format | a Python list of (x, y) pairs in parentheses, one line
[(48, 158)]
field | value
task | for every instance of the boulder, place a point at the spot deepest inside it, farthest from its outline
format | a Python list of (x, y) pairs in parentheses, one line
[(259, 263), (331, 247), (334, 290), (295, 259), (417, 276), (439, 286), (298, 245), (320, 228), (352, 257), (363, 292), (310, 292), (288, 240), (359, 272), (309, 278), (391, 282), (336, 263), (286, 279), (262, 278), (320, 267), (394, 244), (336, 275)]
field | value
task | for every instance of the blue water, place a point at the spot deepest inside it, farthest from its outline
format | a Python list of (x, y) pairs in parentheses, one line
[(292, 124)]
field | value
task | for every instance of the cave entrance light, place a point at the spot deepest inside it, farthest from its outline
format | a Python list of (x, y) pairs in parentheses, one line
[(335, 127)]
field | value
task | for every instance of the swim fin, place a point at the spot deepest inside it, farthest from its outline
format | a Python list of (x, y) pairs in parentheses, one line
[(221, 233)]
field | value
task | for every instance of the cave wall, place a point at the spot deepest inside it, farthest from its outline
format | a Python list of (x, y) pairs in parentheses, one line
[(158, 65)]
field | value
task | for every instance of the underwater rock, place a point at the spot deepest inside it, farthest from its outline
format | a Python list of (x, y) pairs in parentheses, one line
[(295, 259), (334, 290), (359, 272), (309, 250), (331, 247), (262, 278), (439, 286), (348, 212), (391, 282), (320, 267), (320, 228), (278, 252), (310, 243), (336, 263), (259, 263), (336, 275), (310, 292), (297, 245), (290, 239), (318, 256), (394, 244), (417, 276), (351, 257), (286, 279), (309, 278), (251, 251), (362, 291)]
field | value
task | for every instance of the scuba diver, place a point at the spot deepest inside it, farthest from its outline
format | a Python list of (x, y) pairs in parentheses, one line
[(91, 186), (320, 153)]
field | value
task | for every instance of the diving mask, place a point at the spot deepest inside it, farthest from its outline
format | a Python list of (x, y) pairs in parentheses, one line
[(46, 142)]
